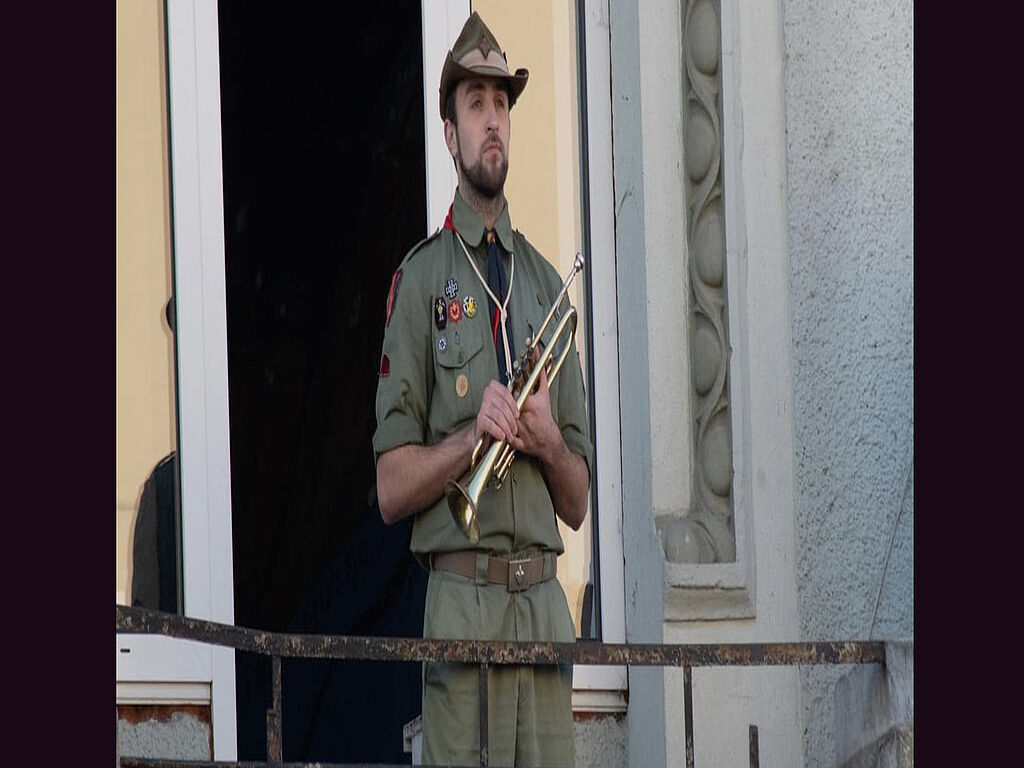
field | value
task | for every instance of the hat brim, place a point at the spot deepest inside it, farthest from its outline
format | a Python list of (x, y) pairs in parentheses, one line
[(453, 73)]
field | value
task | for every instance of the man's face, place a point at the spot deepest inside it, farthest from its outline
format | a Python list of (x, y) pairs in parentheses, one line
[(479, 143)]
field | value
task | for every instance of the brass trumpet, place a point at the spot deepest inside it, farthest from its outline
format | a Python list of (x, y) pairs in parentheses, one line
[(495, 464)]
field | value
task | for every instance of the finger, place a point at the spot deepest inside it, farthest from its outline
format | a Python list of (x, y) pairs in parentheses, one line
[(491, 402), (508, 427), (500, 404), (511, 411), (488, 426), (503, 420)]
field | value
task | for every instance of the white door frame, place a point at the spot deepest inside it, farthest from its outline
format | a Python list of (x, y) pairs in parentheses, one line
[(162, 665), (607, 435)]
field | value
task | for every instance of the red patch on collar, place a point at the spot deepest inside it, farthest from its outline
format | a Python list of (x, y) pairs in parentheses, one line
[(385, 367), (448, 222), (393, 294)]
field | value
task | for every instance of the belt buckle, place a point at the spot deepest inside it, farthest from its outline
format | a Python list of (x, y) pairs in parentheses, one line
[(517, 581)]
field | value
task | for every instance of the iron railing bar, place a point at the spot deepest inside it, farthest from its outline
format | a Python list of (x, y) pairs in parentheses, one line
[(140, 762), (139, 620), (275, 746), (484, 727), (277, 645), (688, 713)]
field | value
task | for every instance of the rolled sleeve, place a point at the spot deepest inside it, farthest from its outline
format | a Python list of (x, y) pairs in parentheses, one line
[(572, 410), (402, 394)]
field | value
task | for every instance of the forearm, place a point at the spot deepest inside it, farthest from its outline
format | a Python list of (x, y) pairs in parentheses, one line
[(569, 480), (411, 478)]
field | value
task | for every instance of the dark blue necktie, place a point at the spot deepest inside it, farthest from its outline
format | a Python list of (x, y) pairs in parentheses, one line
[(496, 282)]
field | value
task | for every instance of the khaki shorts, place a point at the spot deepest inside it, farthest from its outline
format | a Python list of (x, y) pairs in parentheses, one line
[(529, 708)]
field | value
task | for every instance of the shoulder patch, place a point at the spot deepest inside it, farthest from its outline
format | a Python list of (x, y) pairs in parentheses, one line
[(396, 280)]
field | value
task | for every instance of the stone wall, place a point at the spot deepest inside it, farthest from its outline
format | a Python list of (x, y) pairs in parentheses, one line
[(173, 732), (848, 94)]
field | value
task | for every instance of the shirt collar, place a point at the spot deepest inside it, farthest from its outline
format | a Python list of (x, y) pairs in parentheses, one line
[(472, 229)]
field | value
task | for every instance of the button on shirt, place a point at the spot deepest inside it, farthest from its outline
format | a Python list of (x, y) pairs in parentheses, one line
[(419, 400)]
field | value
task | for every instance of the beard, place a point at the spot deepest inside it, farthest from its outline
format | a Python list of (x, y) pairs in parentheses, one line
[(487, 181)]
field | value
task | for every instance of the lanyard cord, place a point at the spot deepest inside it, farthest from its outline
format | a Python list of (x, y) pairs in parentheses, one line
[(501, 306)]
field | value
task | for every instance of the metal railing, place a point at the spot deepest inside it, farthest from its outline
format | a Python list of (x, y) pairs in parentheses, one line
[(482, 652)]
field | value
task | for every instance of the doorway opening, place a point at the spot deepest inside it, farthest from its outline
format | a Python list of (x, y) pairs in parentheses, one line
[(324, 193)]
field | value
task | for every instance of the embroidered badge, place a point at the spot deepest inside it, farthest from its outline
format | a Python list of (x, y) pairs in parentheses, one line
[(469, 305), (451, 287), (396, 279), (461, 385), (455, 311), (385, 367), (440, 313), (442, 345)]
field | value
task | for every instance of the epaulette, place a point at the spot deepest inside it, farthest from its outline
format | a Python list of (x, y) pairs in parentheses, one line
[(416, 248)]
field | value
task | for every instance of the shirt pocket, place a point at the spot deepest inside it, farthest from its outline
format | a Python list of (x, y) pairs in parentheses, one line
[(460, 372)]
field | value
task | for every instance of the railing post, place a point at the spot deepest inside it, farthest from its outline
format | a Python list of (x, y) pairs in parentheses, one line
[(755, 757), (483, 715), (274, 746), (688, 712)]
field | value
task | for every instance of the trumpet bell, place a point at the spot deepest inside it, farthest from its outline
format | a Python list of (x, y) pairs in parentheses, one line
[(463, 510)]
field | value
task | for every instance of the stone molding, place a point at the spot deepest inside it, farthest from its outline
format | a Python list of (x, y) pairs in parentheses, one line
[(707, 533), (709, 559)]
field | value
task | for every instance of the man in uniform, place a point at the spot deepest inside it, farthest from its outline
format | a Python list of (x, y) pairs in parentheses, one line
[(459, 304)]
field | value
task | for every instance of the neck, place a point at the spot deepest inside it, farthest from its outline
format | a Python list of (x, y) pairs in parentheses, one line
[(488, 209)]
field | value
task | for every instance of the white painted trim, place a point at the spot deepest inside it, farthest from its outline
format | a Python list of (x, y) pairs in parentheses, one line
[(163, 693), (736, 285), (599, 701), (586, 677), (216, 429), (442, 22), (201, 330), (607, 437), (154, 658)]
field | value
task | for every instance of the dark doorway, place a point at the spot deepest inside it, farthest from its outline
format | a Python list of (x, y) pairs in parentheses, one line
[(323, 167)]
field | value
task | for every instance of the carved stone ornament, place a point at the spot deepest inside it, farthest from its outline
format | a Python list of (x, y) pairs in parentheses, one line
[(707, 534)]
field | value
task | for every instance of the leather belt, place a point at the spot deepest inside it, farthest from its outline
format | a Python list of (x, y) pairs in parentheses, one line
[(516, 574)]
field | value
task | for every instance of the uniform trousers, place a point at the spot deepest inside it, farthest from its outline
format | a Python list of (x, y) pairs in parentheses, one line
[(529, 707)]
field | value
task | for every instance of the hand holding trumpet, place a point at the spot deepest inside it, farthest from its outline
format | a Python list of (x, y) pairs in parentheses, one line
[(532, 430)]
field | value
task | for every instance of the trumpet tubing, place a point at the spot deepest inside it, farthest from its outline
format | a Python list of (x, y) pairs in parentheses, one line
[(493, 467)]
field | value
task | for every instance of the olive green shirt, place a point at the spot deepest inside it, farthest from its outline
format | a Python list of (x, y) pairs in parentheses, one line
[(432, 378)]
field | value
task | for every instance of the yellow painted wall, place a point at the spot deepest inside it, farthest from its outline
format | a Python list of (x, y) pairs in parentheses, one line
[(542, 187), (144, 348)]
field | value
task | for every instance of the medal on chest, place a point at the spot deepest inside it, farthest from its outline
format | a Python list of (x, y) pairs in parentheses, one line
[(440, 313)]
